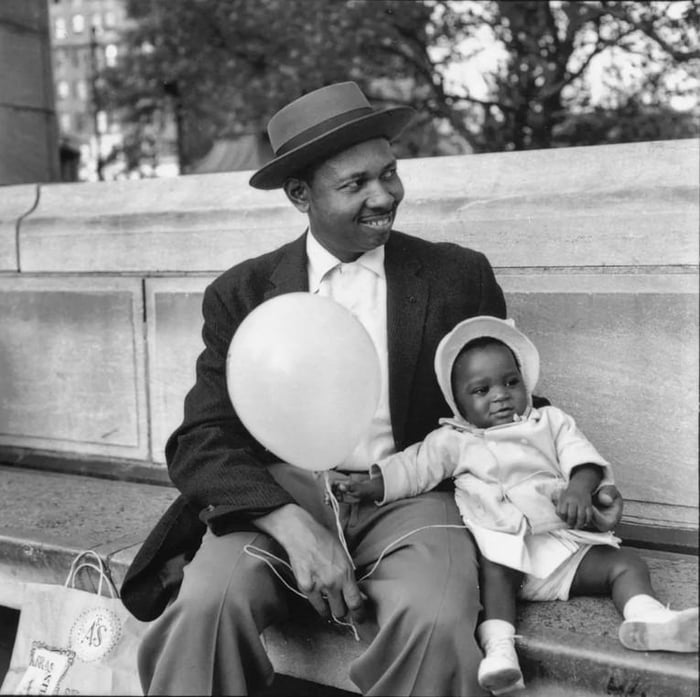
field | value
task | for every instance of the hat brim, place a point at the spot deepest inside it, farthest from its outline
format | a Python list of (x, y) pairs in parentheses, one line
[(385, 123), (484, 326)]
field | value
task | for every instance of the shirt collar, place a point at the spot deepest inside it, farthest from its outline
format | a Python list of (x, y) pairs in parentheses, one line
[(321, 261), (460, 423)]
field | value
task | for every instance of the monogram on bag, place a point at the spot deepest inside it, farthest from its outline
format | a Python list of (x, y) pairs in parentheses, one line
[(71, 641)]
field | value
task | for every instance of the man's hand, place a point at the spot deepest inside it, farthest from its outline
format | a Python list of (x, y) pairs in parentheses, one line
[(607, 508), (320, 565), (357, 490)]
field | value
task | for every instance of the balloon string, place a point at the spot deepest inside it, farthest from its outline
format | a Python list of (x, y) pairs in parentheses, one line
[(336, 513), (264, 556), (400, 539)]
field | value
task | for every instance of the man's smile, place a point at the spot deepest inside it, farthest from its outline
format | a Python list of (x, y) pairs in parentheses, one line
[(378, 222)]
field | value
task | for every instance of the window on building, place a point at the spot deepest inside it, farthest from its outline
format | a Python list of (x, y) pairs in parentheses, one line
[(78, 24), (65, 122), (81, 89), (59, 28), (101, 122), (96, 21), (63, 89), (110, 19), (80, 123), (111, 53)]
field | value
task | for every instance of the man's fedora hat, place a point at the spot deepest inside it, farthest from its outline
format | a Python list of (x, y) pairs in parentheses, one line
[(321, 124)]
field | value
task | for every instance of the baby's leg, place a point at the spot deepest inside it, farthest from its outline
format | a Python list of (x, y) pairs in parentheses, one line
[(499, 588), (620, 573), (648, 625), (499, 671)]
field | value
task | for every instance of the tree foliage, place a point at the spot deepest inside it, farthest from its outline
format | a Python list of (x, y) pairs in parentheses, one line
[(228, 65)]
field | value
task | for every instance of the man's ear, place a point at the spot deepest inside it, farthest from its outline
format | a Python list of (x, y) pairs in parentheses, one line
[(298, 193)]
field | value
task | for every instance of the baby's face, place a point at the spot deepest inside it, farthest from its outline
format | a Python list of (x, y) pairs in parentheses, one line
[(488, 387)]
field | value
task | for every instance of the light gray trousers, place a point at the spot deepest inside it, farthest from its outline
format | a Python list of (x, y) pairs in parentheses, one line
[(424, 594)]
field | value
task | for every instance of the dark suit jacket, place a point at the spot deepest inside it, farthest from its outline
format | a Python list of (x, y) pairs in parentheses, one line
[(216, 464)]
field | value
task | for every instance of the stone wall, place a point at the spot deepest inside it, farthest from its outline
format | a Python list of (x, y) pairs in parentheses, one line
[(28, 128), (596, 249)]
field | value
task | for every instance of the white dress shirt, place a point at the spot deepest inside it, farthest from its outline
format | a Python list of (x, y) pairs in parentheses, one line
[(360, 286)]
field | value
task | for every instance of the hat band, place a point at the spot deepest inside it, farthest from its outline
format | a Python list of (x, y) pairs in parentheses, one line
[(321, 128)]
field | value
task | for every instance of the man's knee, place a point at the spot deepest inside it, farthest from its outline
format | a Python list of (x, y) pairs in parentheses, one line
[(227, 584)]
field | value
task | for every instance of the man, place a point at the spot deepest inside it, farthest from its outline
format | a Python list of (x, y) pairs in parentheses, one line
[(333, 159)]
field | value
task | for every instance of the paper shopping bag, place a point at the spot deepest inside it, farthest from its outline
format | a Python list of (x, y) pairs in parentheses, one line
[(71, 641)]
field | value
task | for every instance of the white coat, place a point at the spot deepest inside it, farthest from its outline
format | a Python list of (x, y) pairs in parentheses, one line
[(507, 479)]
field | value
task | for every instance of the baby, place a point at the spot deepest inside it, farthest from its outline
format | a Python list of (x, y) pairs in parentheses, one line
[(524, 481)]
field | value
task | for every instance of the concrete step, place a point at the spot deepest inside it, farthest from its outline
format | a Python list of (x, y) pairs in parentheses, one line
[(567, 649)]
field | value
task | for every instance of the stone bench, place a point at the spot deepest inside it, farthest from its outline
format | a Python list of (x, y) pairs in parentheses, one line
[(596, 249), (566, 648)]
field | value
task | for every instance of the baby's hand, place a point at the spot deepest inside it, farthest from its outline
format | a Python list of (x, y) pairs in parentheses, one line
[(575, 507), (356, 490)]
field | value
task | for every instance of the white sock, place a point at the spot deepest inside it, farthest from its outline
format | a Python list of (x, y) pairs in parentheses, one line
[(642, 607), (494, 629)]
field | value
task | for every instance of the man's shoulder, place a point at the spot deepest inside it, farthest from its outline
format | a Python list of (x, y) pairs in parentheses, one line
[(259, 267), (429, 249)]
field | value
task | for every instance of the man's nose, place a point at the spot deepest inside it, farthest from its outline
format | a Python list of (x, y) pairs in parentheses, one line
[(380, 196)]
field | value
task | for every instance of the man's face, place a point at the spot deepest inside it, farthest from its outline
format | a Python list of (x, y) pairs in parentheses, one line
[(487, 386), (352, 199)]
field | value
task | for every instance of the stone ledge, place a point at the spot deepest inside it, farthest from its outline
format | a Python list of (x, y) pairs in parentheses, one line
[(48, 518)]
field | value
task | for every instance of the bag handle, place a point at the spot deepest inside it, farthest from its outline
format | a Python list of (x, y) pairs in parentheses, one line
[(90, 559)]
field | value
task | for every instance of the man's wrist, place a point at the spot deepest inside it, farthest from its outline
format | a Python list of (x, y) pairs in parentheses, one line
[(283, 521)]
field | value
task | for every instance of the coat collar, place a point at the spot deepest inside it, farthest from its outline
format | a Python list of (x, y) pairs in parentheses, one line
[(461, 424), (290, 274)]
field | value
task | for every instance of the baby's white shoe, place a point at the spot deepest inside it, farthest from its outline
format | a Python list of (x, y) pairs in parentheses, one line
[(499, 670), (662, 630)]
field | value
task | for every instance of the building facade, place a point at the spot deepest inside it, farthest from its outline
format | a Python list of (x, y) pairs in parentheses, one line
[(85, 37)]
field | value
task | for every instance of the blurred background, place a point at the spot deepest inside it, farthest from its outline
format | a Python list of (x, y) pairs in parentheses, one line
[(119, 89)]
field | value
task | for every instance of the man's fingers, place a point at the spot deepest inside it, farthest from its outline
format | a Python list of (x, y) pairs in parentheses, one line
[(319, 603), (355, 601), (336, 604)]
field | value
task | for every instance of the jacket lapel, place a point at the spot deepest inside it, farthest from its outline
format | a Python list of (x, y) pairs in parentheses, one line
[(290, 275), (407, 301)]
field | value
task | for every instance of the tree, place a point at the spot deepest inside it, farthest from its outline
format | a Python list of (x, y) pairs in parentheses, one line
[(225, 66), (542, 86), (228, 65)]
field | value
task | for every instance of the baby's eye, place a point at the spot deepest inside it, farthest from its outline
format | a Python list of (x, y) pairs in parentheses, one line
[(480, 390), (513, 382)]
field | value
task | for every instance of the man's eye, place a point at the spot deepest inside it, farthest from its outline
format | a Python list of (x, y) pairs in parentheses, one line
[(354, 185), (389, 174)]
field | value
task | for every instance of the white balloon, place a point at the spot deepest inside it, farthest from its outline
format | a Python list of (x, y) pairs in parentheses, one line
[(303, 376)]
